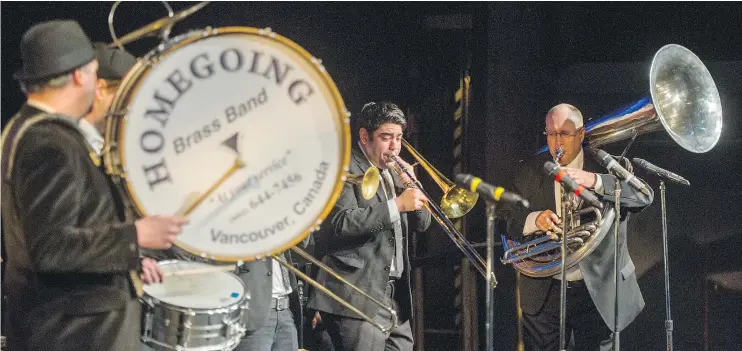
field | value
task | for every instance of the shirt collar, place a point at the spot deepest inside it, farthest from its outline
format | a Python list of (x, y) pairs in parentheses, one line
[(578, 162), (50, 110), (40, 105), (91, 134), (366, 156)]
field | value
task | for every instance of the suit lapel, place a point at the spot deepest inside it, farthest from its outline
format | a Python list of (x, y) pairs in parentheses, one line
[(547, 184)]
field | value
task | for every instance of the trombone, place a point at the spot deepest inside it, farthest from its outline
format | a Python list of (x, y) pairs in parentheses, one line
[(456, 202)]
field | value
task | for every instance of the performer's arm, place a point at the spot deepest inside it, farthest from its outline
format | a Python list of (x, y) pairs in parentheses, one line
[(605, 186), (630, 197), (49, 190)]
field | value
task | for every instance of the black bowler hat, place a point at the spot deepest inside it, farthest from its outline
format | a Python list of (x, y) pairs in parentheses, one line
[(53, 48), (113, 64)]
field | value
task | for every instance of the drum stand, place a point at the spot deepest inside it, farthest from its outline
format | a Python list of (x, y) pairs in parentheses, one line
[(303, 298)]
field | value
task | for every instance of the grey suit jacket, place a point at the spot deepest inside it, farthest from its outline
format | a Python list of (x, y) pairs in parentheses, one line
[(357, 242), (597, 268)]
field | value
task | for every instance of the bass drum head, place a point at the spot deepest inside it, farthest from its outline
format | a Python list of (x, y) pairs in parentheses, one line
[(240, 127), (201, 291)]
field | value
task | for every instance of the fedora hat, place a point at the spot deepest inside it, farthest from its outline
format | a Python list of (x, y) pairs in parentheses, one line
[(113, 64), (53, 48)]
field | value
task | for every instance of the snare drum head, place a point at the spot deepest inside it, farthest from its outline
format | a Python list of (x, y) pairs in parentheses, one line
[(196, 291), (241, 125)]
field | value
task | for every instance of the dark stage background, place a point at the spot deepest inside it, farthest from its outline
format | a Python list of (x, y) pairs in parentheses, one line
[(523, 58)]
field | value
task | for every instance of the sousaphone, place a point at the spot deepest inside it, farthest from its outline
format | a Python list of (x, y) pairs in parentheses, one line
[(683, 101)]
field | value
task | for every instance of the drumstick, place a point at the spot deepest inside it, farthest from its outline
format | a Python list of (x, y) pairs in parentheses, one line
[(237, 165), (211, 269)]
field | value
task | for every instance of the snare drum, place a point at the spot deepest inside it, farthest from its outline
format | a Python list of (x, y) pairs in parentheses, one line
[(203, 311)]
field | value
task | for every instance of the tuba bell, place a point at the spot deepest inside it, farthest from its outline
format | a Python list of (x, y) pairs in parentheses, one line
[(683, 101)]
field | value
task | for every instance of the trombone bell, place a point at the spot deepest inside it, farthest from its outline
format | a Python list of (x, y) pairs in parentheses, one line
[(456, 201), (368, 181)]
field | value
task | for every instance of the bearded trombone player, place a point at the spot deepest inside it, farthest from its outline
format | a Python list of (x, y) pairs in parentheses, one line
[(365, 241)]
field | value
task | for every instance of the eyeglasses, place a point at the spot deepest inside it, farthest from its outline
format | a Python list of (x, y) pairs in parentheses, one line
[(564, 135)]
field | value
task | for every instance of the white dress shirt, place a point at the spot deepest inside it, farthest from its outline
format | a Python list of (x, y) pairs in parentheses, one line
[(92, 135)]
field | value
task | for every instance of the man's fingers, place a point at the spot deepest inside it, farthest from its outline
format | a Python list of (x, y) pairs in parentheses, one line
[(159, 274), (554, 218), (146, 276), (174, 229), (180, 220)]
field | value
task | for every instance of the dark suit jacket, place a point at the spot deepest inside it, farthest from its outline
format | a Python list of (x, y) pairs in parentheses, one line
[(69, 253), (357, 242), (597, 268)]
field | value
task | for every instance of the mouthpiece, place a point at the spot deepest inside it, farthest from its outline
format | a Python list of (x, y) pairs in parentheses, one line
[(559, 154)]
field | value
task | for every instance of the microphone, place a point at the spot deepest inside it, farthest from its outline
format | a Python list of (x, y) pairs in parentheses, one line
[(491, 192), (570, 184), (661, 172), (607, 161)]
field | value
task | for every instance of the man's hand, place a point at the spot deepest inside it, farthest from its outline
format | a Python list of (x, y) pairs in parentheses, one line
[(151, 271), (159, 232), (410, 200), (316, 320), (548, 221), (407, 167), (586, 179)]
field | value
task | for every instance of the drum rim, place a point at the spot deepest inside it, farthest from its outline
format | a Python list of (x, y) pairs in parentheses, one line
[(116, 126)]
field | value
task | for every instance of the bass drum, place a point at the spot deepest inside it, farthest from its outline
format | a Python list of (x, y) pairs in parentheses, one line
[(238, 128)]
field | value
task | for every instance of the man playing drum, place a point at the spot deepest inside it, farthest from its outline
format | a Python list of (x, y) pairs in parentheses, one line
[(72, 272)]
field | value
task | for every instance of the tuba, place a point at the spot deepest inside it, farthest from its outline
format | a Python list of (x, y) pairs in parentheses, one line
[(683, 101)]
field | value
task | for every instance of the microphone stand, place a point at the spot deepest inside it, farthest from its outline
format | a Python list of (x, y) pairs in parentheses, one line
[(490, 336), (563, 282), (668, 321), (302, 323), (616, 223)]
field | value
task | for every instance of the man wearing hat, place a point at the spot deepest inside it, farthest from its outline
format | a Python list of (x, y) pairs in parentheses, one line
[(113, 64), (72, 267)]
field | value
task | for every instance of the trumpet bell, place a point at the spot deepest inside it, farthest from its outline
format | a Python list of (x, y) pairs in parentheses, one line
[(369, 181), (458, 201)]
